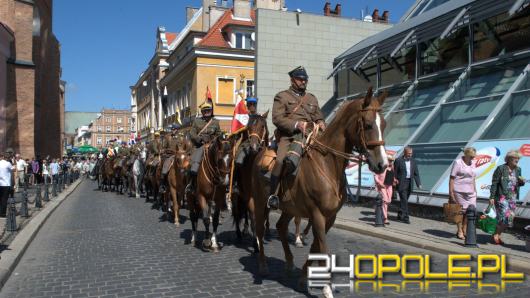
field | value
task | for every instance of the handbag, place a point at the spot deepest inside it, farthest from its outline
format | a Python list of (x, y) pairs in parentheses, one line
[(452, 212)]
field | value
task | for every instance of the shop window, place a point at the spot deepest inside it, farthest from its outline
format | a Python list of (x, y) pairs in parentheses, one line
[(500, 35)]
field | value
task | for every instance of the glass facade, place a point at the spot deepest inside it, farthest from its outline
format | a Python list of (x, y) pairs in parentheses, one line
[(469, 86)]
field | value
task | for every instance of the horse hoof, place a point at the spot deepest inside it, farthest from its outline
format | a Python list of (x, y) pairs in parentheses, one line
[(207, 243), (215, 249), (177, 224), (327, 292), (299, 244)]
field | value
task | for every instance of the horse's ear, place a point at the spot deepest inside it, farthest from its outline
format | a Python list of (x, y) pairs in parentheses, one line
[(382, 98), (368, 98), (265, 115)]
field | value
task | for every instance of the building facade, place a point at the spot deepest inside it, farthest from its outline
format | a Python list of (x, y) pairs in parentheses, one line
[(110, 125), (287, 39), (31, 95), (456, 72), (72, 122)]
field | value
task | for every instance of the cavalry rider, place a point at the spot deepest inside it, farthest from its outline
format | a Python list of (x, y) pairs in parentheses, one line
[(244, 148), (168, 150), (203, 130), (293, 111), (123, 152), (110, 149), (154, 151)]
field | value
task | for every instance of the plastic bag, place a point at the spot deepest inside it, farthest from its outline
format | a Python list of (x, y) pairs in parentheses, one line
[(487, 224), (490, 212)]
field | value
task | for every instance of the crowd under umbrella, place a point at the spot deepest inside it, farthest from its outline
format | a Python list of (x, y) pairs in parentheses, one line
[(87, 149)]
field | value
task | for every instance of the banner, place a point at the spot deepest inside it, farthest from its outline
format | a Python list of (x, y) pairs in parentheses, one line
[(367, 176), (490, 155)]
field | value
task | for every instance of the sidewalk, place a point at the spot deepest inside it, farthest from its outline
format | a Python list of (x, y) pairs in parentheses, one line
[(432, 235)]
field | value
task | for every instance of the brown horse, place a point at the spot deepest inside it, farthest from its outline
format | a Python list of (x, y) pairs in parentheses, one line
[(318, 191), (107, 174), (177, 176), (244, 208), (212, 181)]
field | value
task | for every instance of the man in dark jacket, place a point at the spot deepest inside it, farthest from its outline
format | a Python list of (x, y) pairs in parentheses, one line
[(406, 170)]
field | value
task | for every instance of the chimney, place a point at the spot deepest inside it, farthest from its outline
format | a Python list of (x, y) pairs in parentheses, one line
[(327, 9), (375, 16), (269, 4), (242, 9), (206, 4), (338, 10), (386, 16)]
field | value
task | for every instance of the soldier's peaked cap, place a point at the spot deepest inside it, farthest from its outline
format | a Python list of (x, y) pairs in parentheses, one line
[(299, 72)]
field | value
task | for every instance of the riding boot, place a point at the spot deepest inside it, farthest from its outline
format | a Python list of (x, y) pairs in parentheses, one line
[(162, 188), (192, 186), (274, 201)]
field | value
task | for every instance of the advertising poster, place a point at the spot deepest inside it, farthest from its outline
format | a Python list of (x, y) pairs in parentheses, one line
[(490, 154), (367, 177)]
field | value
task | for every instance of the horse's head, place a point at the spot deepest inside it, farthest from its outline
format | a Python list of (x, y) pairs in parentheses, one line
[(258, 133), (182, 157), (223, 156), (366, 132)]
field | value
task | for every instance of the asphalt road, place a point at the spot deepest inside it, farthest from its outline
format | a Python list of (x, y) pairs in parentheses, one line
[(103, 244)]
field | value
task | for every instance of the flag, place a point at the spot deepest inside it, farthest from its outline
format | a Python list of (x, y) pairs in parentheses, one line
[(240, 118), (208, 94)]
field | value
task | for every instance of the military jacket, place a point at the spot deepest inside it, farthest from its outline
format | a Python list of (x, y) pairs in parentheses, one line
[(287, 110), (123, 152), (154, 147), (200, 138)]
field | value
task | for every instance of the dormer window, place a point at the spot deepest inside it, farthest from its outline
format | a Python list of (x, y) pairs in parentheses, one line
[(243, 40)]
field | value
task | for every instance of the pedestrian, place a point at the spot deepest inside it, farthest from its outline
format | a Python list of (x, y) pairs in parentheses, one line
[(385, 183), (406, 171), (462, 189), (6, 173), (45, 171), (54, 170), (504, 192), (21, 165), (35, 169)]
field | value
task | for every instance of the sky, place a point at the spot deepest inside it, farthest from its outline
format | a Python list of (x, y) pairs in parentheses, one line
[(106, 44)]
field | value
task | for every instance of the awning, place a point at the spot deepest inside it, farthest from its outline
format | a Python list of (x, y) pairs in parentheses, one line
[(518, 6), (461, 20), (336, 69), (368, 54), (408, 40)]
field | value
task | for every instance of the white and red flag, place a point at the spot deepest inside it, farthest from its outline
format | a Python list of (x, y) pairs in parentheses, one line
[(240, 118)]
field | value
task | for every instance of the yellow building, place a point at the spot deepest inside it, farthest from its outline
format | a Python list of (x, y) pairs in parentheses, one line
[(214, 60)]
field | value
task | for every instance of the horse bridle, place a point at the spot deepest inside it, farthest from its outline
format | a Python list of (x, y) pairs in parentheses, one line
[(370, 145), (261, 139), (215, 172)]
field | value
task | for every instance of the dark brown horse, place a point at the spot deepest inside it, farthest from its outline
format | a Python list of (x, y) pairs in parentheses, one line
[(177, 176), (107, 174), (257, 135), (318, 191), (212, 180)]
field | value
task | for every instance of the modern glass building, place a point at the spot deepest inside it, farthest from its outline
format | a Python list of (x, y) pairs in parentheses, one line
[(456, 72)]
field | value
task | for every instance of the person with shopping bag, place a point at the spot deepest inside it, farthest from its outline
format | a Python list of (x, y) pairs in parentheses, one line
[(504, 192), (462, 188)]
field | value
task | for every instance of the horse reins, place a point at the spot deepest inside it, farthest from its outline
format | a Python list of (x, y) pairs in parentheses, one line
[(214, 172)]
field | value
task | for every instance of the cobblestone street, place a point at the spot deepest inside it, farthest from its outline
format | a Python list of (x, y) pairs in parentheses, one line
[(102, 244)]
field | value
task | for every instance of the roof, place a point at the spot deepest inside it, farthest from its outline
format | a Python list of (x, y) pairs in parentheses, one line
[(215, 38), (405, 26), (73, 120), (170, 36)]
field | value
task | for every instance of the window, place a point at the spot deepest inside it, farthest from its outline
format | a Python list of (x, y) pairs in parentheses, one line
[(250, 88), (100, 129), (244, 41), (108, 119), (129, 120), (108, 128), (107, 140), (99, 141), (441, 54), (500, 35), (118, 120), (400, 68), (226, 90), (120, 129)]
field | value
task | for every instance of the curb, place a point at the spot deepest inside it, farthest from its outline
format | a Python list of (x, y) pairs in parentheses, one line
[(12, 255), (516, 263)]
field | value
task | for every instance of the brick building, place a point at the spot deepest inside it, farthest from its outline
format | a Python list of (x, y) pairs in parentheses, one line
[(31, 92), (110, 125)]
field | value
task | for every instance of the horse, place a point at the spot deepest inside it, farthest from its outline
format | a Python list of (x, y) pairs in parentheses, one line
[(120, 174), (152, 183), (177, 177), (244, 208), (212, 179), (138, 171), (318, 190), (107, 174)]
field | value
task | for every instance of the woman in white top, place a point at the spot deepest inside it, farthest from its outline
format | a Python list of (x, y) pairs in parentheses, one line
[(45, 171)]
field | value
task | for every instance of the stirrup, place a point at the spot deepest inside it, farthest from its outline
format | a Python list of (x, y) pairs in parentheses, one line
[(189, 188), (273, 202)]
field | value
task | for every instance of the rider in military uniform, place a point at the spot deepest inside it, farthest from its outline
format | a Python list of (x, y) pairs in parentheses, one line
[(124, 150), (154, 150), (168, 150), (203, 130), (292, 112)]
